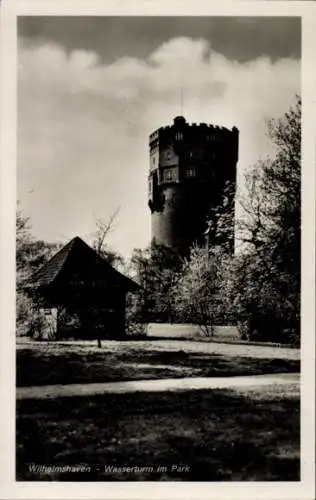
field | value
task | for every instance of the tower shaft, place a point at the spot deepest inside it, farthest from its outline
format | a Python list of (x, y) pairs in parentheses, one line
[(189, 168)]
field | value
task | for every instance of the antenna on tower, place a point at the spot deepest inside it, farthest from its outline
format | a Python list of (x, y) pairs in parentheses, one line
[(181, 101)]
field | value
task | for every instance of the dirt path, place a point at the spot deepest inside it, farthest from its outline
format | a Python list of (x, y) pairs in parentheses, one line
[(55, 391), (175, 345)]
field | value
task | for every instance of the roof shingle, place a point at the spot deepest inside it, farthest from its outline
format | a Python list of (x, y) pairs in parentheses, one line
[(77, 263)]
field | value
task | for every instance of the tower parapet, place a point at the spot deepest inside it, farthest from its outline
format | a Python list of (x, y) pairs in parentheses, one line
[(189, 167)]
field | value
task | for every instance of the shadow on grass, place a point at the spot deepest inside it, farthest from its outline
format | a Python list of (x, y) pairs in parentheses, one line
[(210, 435), (36, 367)]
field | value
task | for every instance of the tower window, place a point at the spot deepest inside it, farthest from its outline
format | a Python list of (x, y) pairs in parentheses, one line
[(189, 172), (179, 136), (170, 174), (153, 161)]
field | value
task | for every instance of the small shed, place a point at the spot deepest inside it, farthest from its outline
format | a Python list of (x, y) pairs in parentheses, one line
[(79, 294)]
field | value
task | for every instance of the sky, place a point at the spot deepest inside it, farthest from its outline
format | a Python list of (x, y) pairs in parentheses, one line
[(91, 90)]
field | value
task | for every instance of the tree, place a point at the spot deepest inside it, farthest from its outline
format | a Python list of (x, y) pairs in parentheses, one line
[(99, 243), (155, 269), (30, 255), (267, 274), (199, 291), (221, 221)]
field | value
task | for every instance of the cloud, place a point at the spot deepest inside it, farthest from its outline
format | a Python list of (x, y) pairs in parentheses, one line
[(83, 126)]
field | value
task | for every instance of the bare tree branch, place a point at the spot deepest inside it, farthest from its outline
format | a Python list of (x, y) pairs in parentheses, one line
[(104, 227)]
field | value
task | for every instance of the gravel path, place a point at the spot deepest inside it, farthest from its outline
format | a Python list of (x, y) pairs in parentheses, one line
[(55, 391)]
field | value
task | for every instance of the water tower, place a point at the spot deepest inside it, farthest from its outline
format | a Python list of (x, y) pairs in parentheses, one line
[(189, 167)]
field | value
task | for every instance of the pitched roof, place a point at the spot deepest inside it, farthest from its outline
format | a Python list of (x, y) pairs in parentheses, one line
[(77, 263)]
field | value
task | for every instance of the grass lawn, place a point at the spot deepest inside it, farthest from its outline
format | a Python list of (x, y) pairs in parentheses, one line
[(218, 435), (52, 363)]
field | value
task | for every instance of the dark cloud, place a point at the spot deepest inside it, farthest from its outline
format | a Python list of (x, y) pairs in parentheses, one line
[(90, 122), (238, 38)]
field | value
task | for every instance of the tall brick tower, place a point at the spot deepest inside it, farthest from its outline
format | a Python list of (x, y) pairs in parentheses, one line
[(189, 167)]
